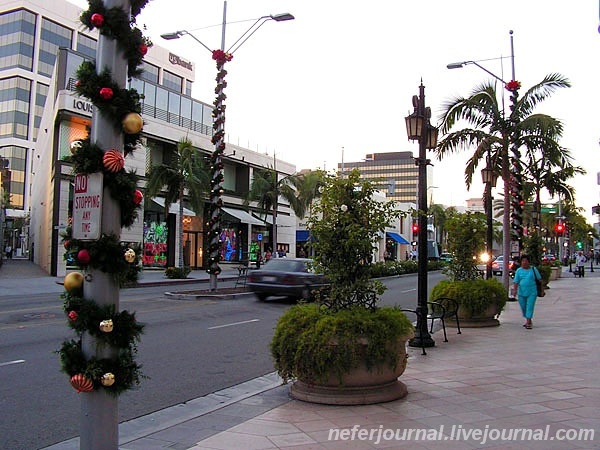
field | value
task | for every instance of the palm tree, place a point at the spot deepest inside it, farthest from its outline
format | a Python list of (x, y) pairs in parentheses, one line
[(494, 135), (184, 172), (298, 189)]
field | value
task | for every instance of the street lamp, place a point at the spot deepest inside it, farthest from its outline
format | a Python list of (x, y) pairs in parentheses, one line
[(419, 129), (221, 56), (489, 178)]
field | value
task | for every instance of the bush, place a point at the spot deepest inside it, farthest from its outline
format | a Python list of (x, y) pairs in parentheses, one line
[(473, 296), (177, 272), (312, 342)]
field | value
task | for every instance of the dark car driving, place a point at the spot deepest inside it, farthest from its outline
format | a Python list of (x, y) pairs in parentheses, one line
[(290, 277)]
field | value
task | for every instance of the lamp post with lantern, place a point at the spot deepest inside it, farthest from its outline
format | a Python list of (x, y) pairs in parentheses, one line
[(419, 129)]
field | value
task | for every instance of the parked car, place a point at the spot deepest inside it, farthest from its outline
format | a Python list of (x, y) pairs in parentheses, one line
[(446, 257), (290, 277), (498, 263), (549, 257)]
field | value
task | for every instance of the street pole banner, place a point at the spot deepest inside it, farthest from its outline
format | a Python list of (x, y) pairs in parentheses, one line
[(87, 206)]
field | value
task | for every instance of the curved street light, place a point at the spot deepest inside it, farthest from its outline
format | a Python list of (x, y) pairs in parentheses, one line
[(221, 56)]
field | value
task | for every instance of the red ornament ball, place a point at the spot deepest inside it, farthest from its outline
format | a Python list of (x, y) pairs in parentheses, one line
[(73, 316), (106, 93), (137, 197), (67, 244), (143, 49), (82, 383), (97, 20), (113, 160), (83, 256)]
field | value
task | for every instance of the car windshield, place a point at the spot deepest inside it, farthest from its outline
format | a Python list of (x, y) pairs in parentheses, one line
[(286, 265)]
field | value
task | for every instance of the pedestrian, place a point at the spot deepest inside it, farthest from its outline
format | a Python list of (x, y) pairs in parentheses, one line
[(8, 251), (525, 289), (268, 255), (580, 261)]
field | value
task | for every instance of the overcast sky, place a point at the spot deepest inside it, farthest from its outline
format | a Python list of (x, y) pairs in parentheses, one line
[(342, 74)]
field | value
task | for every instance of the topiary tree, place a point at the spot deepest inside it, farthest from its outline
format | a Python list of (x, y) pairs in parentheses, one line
[(466, 240), (346, 226)]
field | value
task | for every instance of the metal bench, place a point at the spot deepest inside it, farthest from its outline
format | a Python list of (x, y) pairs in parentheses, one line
[(416, 313), (441, 309)]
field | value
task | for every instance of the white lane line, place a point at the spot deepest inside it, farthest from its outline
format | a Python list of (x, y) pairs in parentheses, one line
[(9, 363), (233, 324), (410, 290)]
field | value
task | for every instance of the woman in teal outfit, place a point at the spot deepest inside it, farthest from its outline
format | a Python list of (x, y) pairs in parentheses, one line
[(525, 288)]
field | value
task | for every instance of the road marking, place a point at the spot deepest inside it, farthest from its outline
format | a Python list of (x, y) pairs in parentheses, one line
[(233, 324), (410, 290), (16, 361)]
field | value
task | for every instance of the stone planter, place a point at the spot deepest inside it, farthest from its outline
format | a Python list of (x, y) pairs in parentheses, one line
[(486, 319), (555, 273), (360, 386)]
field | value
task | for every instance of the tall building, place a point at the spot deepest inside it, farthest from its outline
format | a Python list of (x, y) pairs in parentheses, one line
[(41, 46), (395, 173)]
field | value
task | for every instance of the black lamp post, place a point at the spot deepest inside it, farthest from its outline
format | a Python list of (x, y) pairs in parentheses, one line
[(419, 129), (489, 179)]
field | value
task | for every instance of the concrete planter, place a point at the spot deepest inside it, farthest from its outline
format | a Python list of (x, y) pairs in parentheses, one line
[(486, 319), (360, 386), (555, 273)]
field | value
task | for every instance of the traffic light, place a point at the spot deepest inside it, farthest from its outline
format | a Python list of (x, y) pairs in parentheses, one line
[(415, 230), (579, 245), (560, 229)]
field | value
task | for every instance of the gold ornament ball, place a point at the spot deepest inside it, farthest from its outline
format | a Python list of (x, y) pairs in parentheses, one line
[(75, 146), (108, 379), (73, 281), (106, 326), (132, 123), (129, 255)]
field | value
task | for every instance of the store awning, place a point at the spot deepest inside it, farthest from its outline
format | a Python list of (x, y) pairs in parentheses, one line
[(173, 207), (302, 235), (397, 237), (264, 218), (242, 216)]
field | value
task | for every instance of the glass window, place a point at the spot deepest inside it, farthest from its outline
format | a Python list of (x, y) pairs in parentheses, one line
[(162, 101), (149, 72), (172, 81), (174, 105), (86, 45), (40, 100), (188, 87), (53, 37), (186, 112), (14, 178), (17, 33), (14, 107)]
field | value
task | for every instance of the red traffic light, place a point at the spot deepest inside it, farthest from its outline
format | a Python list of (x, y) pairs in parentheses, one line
[(415, 228), (560, 228)]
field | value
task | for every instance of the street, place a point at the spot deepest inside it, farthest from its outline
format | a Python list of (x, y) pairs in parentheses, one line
[(190, 348)]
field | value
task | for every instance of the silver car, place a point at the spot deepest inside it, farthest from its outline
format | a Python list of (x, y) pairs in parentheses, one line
[(289, 277)]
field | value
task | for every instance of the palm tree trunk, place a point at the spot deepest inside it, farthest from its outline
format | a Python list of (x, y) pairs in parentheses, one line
[(275, 229), (180, 244)]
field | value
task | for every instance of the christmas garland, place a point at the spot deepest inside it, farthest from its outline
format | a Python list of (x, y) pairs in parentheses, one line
[(118, 331), (218, 139)]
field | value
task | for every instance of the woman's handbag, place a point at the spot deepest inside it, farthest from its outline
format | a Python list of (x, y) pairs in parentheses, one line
[(538, 283)]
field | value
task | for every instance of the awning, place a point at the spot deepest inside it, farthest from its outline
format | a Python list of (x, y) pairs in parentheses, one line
[(242, 216), (302, 235), (397, 237), (173, 207), (264, 218)]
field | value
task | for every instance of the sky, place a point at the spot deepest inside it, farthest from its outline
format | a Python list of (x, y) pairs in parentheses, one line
[(337, 82)]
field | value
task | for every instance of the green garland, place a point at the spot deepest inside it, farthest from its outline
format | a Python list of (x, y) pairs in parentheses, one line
[(121, 185), (118, 26), (123, 101)]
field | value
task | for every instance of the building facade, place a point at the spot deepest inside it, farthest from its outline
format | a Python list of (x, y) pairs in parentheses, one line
[(42, 45)]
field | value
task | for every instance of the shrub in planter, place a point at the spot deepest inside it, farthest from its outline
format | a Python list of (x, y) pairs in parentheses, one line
[(475, 297), (345, 335)]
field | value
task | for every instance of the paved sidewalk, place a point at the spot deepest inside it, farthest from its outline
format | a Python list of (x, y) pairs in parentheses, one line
[(13, 273), (498, 378)]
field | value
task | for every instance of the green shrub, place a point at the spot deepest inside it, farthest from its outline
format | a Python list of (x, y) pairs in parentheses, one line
[(177, 272), (473, 296), (302, 345)]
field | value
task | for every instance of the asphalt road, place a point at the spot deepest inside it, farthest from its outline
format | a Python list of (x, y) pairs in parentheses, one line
[(189, 349)]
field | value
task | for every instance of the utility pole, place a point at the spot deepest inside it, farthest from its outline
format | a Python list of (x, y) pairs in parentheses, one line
[(99, 409)]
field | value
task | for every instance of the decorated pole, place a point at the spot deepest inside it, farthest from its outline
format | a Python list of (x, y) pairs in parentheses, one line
[(101, 361)]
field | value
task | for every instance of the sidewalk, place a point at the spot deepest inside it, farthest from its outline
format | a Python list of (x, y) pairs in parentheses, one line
[(14, 271), (505, 377)]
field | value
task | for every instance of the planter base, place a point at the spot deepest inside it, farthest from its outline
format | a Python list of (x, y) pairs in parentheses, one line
[(477, 323), (346, 395)]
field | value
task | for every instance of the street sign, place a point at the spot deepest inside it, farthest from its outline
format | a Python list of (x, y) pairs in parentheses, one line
[(548, 209), (87, 206)]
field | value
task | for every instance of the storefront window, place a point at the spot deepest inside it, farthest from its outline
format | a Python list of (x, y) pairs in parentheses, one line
[(155, 240), (231, 244)]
